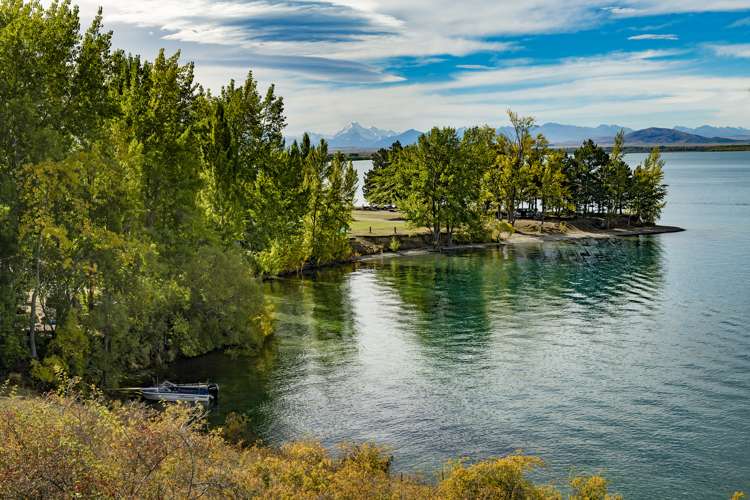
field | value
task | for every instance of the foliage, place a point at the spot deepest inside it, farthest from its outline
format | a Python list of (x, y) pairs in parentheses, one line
[(439, 191), (380, 187), (649, 190), (237, 430), (395, 244), (500, 230), (94, 449), (137, 209), (591, 488), (453, 186)]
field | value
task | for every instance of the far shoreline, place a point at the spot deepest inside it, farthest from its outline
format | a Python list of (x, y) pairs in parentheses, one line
[(525, 237)]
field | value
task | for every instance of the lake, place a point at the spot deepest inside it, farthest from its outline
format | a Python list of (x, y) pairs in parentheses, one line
[(629, 357)]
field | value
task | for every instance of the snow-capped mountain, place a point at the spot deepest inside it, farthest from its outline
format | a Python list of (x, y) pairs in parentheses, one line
[(357, 137), (353, 136)]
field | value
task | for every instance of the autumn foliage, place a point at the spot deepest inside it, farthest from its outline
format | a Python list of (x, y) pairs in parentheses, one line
[(65, 444)]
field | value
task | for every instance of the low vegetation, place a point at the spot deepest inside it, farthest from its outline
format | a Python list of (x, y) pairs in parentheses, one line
[(66, 445)]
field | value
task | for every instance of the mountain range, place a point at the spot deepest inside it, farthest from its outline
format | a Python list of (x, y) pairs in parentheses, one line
[(655, 135), (355, 136)]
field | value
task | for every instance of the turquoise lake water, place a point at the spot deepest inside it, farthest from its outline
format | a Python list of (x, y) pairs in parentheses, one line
[(629, 357)]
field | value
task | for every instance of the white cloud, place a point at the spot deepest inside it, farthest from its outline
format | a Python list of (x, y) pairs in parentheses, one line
[(739, 50), (635, 90), (654, 36), (383, 28), (473, 66)]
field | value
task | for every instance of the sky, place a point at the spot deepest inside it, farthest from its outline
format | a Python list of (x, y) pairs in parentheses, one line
[(402, 64)]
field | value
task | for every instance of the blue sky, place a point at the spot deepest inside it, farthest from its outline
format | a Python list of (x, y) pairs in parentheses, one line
[(413, 64)]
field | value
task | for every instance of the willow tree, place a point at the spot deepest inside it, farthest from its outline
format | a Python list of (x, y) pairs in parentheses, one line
[(53, 90)]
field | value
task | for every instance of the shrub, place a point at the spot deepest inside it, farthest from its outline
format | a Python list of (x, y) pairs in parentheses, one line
[(66, 444), (501, 230), (395, 244)]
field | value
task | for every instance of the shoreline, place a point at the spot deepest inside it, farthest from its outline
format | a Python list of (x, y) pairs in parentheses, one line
[(518, 238), (525, 238)]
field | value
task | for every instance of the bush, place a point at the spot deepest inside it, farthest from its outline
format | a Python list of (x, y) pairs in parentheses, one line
[(395, 244), (237, 430), (501, 230), (67, 445)]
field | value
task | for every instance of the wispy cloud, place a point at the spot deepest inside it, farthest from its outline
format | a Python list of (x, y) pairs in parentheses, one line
[(473, 66), (634, 89), (400, 64), (739, 23), (377, 29), (654, 36), (739, 50)]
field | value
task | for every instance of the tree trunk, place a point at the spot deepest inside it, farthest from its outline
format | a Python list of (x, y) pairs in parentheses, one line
[(541, 226), (34, 296)]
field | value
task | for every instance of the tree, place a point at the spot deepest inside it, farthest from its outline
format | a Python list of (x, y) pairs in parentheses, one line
[(339, 188), (616, 178), (649, 190), (429, 173), (553, 191), (521, 143), (53, 91), (584, 173), (380, 183)]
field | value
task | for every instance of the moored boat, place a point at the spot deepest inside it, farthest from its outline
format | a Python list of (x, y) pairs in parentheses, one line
[(167, 391)]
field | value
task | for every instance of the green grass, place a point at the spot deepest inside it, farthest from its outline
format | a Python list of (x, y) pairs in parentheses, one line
[(380, 223)]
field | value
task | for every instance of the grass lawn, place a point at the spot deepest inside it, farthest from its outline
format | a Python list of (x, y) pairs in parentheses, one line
[(381, 223)]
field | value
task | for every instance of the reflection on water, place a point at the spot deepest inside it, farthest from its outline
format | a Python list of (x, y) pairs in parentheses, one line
[(631, 355), (555, 349)]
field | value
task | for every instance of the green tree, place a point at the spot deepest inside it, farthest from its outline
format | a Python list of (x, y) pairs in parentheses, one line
[(584, 177), (553, 189), (381, 185), (649, 190), (515, 162), (53, 94), (332, 187), (429, 172)]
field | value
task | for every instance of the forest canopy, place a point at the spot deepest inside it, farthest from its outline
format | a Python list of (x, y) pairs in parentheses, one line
[(450, 183), (137, 209)]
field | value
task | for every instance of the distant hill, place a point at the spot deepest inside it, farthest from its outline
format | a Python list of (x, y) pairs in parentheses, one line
[(358, 137), (666, 136), (405, 138), (738, 133), (559, 133)]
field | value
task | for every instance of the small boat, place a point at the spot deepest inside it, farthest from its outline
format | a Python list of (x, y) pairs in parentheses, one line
[(167, 391)]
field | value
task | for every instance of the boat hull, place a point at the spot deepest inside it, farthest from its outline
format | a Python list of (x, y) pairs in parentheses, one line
[(165, 396)]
